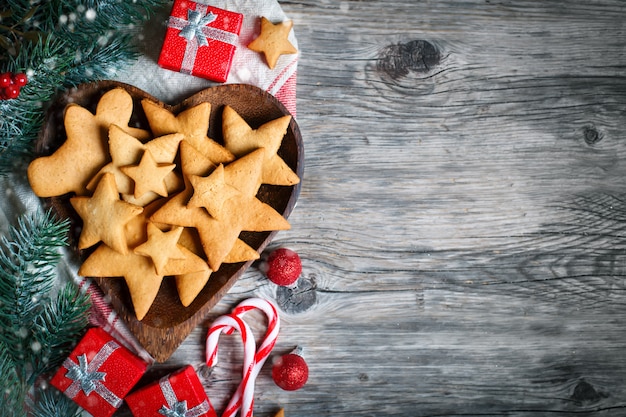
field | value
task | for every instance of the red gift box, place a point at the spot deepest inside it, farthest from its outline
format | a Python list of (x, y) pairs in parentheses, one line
[(178, 394), (200, 40), (99, 373)]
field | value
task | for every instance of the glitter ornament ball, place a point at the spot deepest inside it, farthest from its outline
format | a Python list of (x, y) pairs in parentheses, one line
[(283, 267), (290, 372)]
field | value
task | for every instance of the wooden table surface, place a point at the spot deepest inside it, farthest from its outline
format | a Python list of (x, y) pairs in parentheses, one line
[(462, 219)]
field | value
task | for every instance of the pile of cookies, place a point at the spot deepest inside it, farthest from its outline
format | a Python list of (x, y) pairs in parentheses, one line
[(168, 202)]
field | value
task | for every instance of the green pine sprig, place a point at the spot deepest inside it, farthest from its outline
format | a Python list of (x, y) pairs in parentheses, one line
[(38, 328), (27, 271), (13, 388), (56, 329), (52, 403)]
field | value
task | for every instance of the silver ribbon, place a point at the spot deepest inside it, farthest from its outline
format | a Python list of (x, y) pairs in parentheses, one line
[(177, 408), (87, 378), (197, 33), (195, 23)]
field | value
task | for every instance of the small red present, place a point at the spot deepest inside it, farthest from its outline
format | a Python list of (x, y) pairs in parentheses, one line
[(179, 394), (200, 40), (99, 373)]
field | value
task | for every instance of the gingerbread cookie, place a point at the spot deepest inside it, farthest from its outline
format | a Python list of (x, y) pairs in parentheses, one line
[(87, 135), (104, 216), (273, 41), (246, 212), (241, 139), (193, 123)]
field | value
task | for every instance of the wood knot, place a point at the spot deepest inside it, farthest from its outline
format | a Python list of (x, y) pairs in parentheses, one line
[(298, 298), (591, 135), (585, 393), (399, 59)]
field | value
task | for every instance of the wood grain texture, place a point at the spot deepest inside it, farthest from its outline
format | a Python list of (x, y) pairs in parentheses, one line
[(462, 214)]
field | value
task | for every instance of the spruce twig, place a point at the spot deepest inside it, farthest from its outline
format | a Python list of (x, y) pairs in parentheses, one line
[(52, 403), (28, 258), (38, 330), (56, 329), (13, 388)]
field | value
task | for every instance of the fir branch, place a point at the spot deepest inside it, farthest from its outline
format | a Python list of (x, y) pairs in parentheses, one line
[(56, 329), (52, 403), (37, 331), (13, 389), (45, 62), (21, 118), (101, 61), (28, 258), (84, 23)]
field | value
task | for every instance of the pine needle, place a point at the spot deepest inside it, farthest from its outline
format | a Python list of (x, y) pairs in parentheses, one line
[(51, 403), (56, 329), (13, 389), (28, 257)]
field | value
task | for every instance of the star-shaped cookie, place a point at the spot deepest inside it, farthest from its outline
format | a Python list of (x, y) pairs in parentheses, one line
[(211, 192), (273, 41), (193, 123), (161, 247), (127, 150), (138, 271), (104, 216), (87, 134), (245, 211), (149, 175), (191, 284), (241, 139)]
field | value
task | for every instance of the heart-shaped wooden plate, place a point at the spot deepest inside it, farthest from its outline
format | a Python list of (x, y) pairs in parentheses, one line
[(168, 322)]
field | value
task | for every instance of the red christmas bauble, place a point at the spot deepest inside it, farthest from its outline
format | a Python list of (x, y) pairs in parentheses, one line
[(282, 266), (5, 79), (20, 79), (290, 372), (12, 91)]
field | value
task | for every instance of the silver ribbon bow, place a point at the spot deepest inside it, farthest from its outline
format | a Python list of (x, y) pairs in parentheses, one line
[(177, 408), (87, 378), (195, 23), (197, 33)]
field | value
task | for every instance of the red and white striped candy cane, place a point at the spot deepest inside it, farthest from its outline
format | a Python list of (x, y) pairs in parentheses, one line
[(244, 396), (226, 324)]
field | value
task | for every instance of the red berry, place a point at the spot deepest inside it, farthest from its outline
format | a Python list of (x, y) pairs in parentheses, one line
[(290, 372), (282, 267), (5, 79), (12, 91), (20, 79)]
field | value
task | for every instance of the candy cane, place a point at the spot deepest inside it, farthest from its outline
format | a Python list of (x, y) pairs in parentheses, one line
[(226, 324), (244, 396)]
